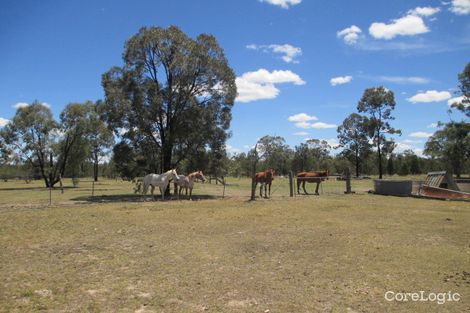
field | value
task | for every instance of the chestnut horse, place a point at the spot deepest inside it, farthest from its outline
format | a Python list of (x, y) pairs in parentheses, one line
[(187, 182), (264, 178), (315, 177)]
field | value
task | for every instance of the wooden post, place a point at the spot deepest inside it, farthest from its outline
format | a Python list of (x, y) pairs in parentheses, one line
[(50, 194), (348, 181), (291, 183), (253, 173), (223, 192), (93, 188)]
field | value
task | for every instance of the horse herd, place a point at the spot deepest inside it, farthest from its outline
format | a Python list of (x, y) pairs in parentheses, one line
[(181, 182), (163, 180)]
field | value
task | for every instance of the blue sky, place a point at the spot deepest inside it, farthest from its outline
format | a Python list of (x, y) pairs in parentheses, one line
[(290, 57)]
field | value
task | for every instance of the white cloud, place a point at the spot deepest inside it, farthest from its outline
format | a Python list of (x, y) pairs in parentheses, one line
[(231, 149), (456, 100), (350, 35), (20, 105), (432, 125), (24, 104), (401, 147), (409, 25), (420, 135), (301, 117), (3, 121), (302, 122), (333, 142), (404, 80), (321, 125), (412, 141), (301, 134), (340, 80), (424, 11), (289, 52), (260, 85), (304, 125), (282, 3), (430, 96), (460, 7)]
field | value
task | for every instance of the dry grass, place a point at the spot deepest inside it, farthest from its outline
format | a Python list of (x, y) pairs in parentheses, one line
[(332, 253)]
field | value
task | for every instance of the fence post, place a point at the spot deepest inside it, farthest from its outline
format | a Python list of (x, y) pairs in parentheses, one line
[(348, 181), (291, 182), (223, 192)]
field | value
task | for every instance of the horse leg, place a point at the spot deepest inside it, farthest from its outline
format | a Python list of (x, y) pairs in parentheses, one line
[(270, 189), (316, 189), (261, 190), (298, 187), (303, 186), (153, 189), (265, 190), (190, 193)]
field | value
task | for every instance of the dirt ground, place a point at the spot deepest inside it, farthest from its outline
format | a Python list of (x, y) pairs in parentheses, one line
[(116, 252)]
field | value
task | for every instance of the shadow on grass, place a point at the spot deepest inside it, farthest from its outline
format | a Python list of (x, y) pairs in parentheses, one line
[(36, 188), (139, 198)]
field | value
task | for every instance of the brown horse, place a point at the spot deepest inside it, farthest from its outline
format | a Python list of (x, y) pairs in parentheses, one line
[(187, 182), (265, 179), (310, 177)]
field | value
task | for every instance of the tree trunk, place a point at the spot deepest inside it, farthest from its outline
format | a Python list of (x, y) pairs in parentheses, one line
[(379, 156), (357, 163), (167, 155), (95, 168), (253, 173)]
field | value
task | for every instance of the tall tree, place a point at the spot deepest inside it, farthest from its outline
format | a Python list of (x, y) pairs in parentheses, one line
[(99, 137), (353, 137), (379, 104), (464, 86), (275, 153), (451, 144), (37, 138), (172, 94)]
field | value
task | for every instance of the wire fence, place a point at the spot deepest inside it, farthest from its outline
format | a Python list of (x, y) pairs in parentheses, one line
[(19, 192)]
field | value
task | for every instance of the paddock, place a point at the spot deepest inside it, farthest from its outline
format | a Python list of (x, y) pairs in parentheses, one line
[(327, 253)]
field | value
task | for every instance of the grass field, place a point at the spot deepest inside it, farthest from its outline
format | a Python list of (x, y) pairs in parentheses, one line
[(329, 253)]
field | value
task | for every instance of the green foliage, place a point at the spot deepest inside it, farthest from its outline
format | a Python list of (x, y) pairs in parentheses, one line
[(275, 154), (378, 103), (173, 96), (451, 144), (464, 86), (35, 137), (353, 138)]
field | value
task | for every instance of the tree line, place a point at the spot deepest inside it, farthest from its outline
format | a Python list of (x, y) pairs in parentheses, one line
[(169, 106)]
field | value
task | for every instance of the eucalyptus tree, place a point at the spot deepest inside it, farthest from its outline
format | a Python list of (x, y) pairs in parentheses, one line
[(35, 137), (99, 137), (451, 145), (173, 94), (378, 103), (353, 138), (275, 153), (464, 90)]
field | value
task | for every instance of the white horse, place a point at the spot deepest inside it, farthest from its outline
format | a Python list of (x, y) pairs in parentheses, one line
[(160, 180), (187, 182)]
